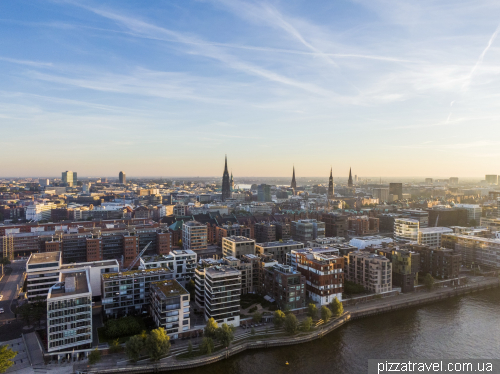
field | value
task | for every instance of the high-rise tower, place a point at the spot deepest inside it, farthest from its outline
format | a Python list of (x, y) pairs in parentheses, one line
[(349, 182), (226, 186), (122, 178), (330, 185), (294, 183)]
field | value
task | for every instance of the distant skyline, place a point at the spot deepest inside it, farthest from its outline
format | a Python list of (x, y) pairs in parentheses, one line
[(392, 88)]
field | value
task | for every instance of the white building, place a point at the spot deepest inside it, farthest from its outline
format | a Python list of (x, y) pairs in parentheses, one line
[(39, 211), (406, 229), (69, 312), (366, 241), (182, 263), (431, 236)]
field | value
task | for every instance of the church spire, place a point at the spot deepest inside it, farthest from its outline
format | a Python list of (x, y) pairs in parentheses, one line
[(330, 185), (294, 183), (226, 186), (349, 182)]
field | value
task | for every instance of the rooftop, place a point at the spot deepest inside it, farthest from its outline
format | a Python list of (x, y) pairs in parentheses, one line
[(91, 264), (278, 244), (238, 239), (435, 230), (217, 270), (133, 273), (40, 258), (70, 283), (169, 288)]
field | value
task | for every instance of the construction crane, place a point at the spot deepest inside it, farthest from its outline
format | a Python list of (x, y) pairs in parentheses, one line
[(132, 264)]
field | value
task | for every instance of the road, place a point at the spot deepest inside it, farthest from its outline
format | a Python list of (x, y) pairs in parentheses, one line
[(9, 288)]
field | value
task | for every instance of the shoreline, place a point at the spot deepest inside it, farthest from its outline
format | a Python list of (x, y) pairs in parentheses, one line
[(350, 313)]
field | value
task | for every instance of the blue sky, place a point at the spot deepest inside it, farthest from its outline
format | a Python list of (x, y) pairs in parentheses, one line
[(391, 88)]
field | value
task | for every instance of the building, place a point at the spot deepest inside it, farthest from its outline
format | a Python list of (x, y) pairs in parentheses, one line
[(442, 216), (69, 178), (330, 186), (128, 292), (307, 229), (405, 268), (382, 194), (181, 263), (475, 251), (441, 263), (264, 193), (293, 185), (396, 189), (373, 272), (284, 285), (122, 178), (406, 229), (491, 179), (474, 212), (169, 307), (362, 225), (194, 235), (362, 243), (335, 224), (278, 250), (349, 181), (226, 184), (421, 216), (431, 236), (265, 232), (453, 180), (69, 312), (222, 290), (283, 230), (249, 266), (40, 211), (231, 229), (237, 246), (324, 275)]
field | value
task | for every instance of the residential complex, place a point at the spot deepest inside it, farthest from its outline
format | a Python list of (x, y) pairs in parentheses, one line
[(237, 246), (431, 236), (181, 263), (373, 272), (194, 236), (406, 229), (278, 250), (307, 229), (285, 285)]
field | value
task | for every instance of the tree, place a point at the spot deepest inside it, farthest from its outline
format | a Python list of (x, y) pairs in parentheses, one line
[(252, 331), (94, 356), (25, 312), (4, 261), (225, 334), (336, 307), (207, 345), (115, 346), (312, 311), (190, 348), (257, 317), (291, 324), (190, 287), (326, 313), (143, 335), (279, 318), (211, 328), (428, 282), (306, 324), (158, 343), (134, 347), (6, 355)]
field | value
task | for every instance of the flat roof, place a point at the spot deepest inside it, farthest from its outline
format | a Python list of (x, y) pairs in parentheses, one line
[(221, 269), (169, 288), (70, 283), (436, 230), (40, 258), (91, 264), (238, 239), (278, 244), (133, 273)]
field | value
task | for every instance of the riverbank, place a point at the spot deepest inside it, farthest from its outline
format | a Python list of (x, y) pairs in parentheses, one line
[(354, 312)]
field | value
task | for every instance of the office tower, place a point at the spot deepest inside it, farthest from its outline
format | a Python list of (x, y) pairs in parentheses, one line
[(194, 235), (349, 182), (264, 193), (491, 179), (382, 194), (396, 189), (294, 183), (453, 180), (330, 185), (69, 178), (222, 294), (226, 186), (122, 177)]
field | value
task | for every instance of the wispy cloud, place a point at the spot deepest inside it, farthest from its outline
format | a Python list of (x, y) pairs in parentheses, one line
[(26, 62)]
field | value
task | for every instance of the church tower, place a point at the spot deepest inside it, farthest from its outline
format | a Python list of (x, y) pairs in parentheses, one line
[(226, 187), (330, 186), (294, 183), (349, 182)]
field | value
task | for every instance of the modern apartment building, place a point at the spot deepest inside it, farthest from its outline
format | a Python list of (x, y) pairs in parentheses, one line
[(474, 212), (265, 232), (169, 307), (405, 268), (422, 216), (278, 250), (225, 231), (475, 251), (40, 211), (442, 263), (182, 263), (249, 266), (431, 236), (396, 189), (335, 224), (222, 290), (69, 312), (362, 225), (443, 216), (194, 236), (382, 194), (128, 292), (237, 246), (366, 241), (305, 230), (284, 285), (324, 275), (69, 178), (283, 230), (373, 272), (406, 229)]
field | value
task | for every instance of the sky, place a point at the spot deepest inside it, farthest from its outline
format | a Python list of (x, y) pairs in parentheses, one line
[(167, 88)]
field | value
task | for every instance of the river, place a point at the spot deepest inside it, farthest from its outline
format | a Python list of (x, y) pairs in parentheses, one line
[(461, 327)]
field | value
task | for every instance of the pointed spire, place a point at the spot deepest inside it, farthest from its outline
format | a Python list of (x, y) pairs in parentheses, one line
[(349, 182), (225, 167), (331, 170)]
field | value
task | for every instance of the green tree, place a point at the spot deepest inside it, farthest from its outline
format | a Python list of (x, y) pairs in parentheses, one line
[(115, 346), (158, 343), (94, 356), (291, 324), (134, 347), (306, 324), (210, 328), (4, 261), (336, 307), (225, 334), (252, 331), (279, 318), (190, 287), (429, 282), (6, 355), (190, 348), (143, 335), (257, 317), (26, 313), (312, 310), (326, 314), (206, 345)]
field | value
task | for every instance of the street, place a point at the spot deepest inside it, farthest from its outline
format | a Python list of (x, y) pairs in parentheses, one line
[(9, 287)]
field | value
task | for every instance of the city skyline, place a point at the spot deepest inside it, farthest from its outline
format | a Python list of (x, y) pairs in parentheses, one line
[(389, 88)]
